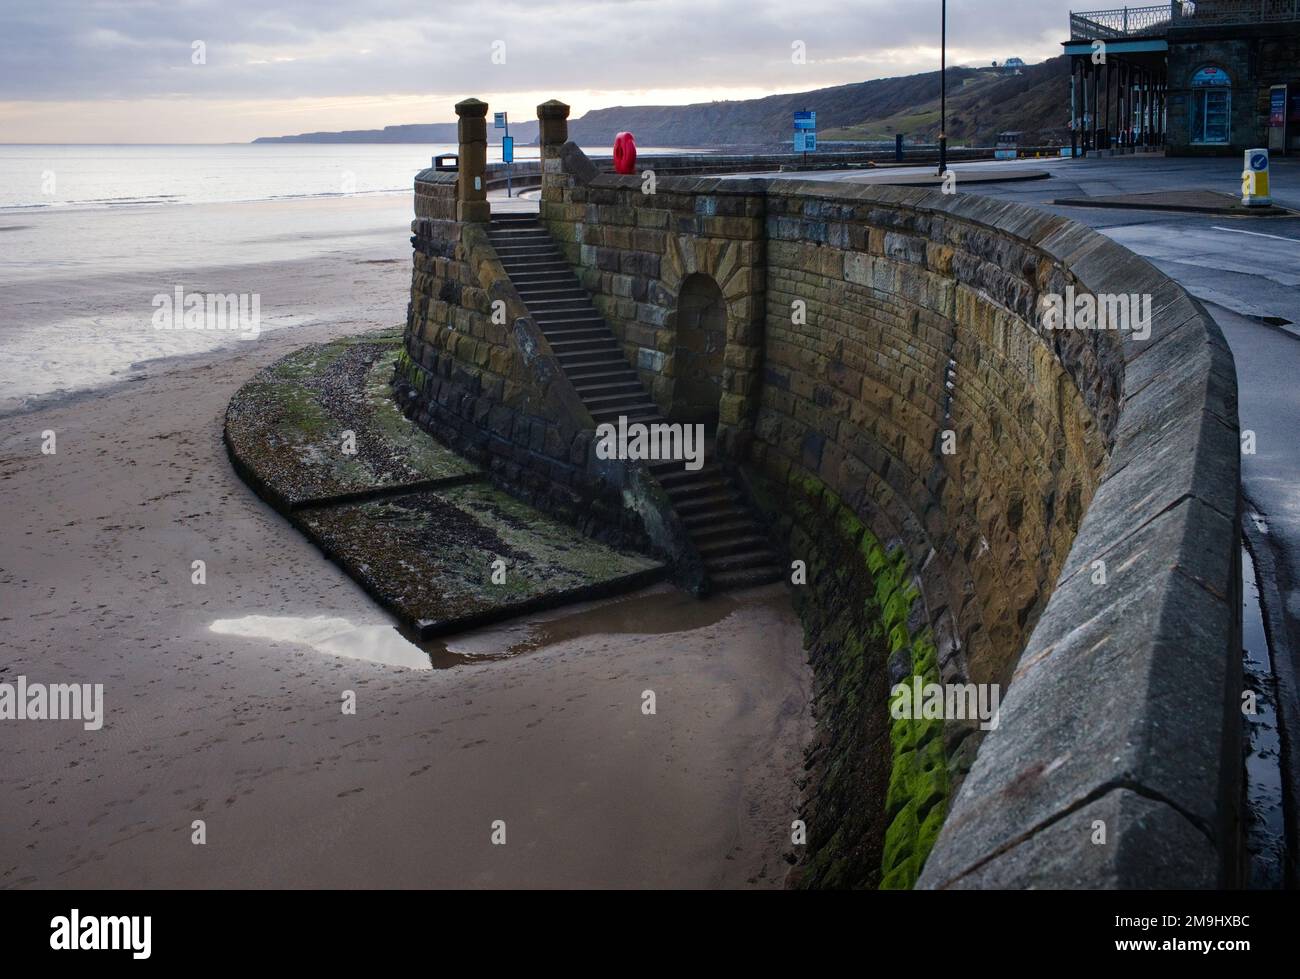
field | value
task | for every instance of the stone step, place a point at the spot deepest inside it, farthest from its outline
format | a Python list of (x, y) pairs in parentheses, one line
[(598, 345), (514, 254), (616, 399), (525, 264), (749, 578), (609, 384), (576, 322), (525, 268), (609, 387), (568, 319), (538, 239), (647, 414), (695, 506), (696, 522), (584, 370), (728, 528), (503, 239), (710, 470), (561, 304), (543, 293), (739, 544), (595, 331), (695, 488), (559, 278), (754, 557), (601, 359)]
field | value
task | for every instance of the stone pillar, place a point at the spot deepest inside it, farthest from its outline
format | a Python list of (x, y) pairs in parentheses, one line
[(553, 126), (471, 184)]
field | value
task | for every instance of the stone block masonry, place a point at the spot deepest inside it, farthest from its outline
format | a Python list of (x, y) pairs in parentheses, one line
[(887, 389)]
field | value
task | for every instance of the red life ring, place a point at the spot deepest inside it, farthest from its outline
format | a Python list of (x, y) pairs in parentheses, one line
[(624, 153)]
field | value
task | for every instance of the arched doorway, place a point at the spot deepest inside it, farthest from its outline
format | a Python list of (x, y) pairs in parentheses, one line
[(701, 331)]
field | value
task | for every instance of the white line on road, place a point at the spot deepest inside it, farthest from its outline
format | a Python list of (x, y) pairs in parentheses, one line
[(1257, 234)]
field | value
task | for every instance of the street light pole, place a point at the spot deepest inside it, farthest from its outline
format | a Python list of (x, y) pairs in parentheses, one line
[(943, 93)]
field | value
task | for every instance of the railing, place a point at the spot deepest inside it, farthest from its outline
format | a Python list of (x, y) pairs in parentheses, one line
[(1124, 22), (1146, 21)]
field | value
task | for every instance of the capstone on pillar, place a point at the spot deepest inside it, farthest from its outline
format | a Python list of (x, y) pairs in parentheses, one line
[(471, 185), (553, 126)]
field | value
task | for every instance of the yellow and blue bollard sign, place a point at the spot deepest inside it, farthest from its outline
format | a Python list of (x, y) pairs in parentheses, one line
[(1254, 179)]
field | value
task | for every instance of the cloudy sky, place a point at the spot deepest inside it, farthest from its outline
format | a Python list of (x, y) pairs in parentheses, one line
[(200, 71)]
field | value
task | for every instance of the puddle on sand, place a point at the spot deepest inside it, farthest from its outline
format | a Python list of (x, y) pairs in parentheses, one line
[(652, 611), (649, 612), (1265, 830)]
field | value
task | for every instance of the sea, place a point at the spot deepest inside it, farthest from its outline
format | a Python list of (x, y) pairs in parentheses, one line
[(38, 178), (91, 236)]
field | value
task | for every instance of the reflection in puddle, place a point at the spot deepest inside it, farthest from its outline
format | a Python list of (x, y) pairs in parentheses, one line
[(1265, 818), (652, 611), (333, 636)]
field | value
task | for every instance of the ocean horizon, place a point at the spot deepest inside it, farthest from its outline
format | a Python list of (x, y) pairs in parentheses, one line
[(60, 176)]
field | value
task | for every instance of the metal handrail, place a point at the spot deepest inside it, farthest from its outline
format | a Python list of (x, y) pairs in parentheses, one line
[(1123, 22), (1144, 21)]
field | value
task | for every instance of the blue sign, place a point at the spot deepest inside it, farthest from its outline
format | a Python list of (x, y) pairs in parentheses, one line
[(1259, 162), (1277, 107), (805, 142), (805, 120), (499, 120), (507, 149)]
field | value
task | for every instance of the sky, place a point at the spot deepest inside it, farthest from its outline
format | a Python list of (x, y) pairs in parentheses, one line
[(219, 71)]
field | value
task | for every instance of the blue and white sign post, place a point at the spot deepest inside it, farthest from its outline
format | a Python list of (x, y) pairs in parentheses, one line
[(805, 133), (500, 120)]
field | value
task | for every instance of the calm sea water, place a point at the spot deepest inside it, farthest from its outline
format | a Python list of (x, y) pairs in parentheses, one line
[(45, 177), (90, 236)]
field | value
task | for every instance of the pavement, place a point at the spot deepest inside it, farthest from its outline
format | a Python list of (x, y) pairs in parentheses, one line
[(1180, 201), (927, 177)]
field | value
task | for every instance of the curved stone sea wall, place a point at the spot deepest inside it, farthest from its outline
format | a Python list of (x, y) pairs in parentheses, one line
[(977, 499)]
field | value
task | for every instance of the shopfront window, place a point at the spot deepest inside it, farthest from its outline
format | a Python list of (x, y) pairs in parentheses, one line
[(1211, 107)]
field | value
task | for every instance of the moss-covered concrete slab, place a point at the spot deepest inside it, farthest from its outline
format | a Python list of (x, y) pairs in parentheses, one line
[(415, 524), (448, 559), (289, 428)]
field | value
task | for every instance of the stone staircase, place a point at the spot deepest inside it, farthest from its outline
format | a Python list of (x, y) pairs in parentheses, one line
[(730, 541)]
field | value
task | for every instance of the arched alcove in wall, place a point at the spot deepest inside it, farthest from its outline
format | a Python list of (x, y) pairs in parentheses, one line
[(701, 339)]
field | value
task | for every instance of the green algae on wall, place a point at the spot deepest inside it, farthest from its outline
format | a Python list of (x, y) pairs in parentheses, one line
[(881, 784)]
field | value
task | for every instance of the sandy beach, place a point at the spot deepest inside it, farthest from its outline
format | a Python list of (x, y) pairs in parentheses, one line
[(246, 732)]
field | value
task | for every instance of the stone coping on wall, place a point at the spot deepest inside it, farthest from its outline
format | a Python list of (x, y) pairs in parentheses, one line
[(527, 173), (1115, 762)]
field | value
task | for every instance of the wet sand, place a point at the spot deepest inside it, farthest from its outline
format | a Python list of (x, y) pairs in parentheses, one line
[(246, 732)]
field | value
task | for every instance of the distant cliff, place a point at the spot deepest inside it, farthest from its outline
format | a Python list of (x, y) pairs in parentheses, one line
[(433, 132), (981, 103)]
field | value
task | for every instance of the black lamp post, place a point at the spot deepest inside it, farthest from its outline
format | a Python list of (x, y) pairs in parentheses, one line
[(943, 93)]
